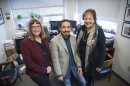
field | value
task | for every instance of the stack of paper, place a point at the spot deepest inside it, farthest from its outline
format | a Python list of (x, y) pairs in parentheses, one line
[(9, 44), (19, 34)]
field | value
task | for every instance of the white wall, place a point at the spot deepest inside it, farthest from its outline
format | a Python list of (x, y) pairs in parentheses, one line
[(103, 8), (7, 29), (70, 9), (3, 36), (122, 45), (9, 24)]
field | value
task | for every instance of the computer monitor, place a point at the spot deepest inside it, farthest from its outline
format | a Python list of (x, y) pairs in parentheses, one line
[(55, 25), (73, 23)]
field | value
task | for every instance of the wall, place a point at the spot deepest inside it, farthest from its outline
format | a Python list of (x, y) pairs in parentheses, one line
[(9, 24), (103, 8), (70, 9), (7, 29), (122, 44), (3, 36)]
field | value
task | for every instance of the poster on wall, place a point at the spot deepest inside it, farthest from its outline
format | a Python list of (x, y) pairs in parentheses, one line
[(126, 29), (128, 2), (127, 14), (1, 17)]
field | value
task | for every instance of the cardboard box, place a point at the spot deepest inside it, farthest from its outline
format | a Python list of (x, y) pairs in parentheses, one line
[(12, 57), (10, 52), (10, 49)]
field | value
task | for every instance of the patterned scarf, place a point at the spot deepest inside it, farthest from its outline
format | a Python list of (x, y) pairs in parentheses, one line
[(89, 40)]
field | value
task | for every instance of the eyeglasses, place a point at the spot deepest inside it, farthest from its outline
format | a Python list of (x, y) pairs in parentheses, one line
[(34, 27)]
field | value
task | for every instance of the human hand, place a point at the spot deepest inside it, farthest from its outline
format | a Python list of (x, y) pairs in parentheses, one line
[(98, 69), (80, 71), (60, 79), (48, 69)]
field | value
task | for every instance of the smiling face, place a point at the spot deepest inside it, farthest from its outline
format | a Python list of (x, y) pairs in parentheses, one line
[(36, 29), (65, 29), (88, 20)]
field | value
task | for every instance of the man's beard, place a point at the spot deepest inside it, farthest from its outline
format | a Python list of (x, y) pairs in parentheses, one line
[(66, 36)]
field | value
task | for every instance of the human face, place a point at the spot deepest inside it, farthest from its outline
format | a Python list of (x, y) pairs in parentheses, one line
[(89, 20), (36, 29), (65, 29)]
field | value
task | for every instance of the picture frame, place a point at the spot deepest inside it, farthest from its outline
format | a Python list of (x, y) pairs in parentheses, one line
[(127, 14), (1, 17), (126, 29), (128, 2)]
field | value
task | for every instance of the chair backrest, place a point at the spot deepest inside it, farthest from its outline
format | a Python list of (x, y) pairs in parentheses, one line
[(46, 33), (109, 61), (5, 63), (9, 75)]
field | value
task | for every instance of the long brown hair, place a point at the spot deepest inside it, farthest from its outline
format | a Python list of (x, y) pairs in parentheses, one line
[(30, 34)]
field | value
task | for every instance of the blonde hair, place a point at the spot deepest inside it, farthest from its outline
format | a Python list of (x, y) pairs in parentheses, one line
[(30, 34)]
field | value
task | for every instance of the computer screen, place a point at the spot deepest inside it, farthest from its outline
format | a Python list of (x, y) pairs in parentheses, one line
[(73, 23), (55, 25)]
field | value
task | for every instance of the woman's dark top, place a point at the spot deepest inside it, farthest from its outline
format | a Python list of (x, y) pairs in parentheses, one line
[(45, 51)]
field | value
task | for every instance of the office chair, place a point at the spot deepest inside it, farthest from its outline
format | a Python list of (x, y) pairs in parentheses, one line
[(107, 66), (47, 33), (8, 76), (19, 60)]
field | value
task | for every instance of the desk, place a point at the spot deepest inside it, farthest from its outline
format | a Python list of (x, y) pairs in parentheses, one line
[(53, 33), (18, 41)]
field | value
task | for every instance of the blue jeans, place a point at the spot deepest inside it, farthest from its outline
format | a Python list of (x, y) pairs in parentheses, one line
[(80, 79)]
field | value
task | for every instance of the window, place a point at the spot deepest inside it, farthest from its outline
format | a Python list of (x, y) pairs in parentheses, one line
[(108, 25), (48, 12)]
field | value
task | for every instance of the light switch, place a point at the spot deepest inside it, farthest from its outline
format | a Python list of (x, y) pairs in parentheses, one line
[(128, 68), (2, 55)]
